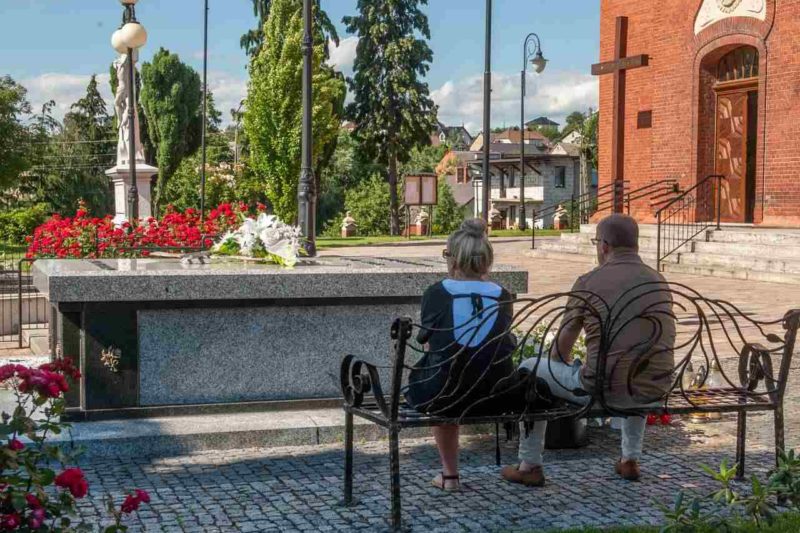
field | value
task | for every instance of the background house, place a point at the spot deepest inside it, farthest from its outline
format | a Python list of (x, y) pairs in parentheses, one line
[(551, 175)]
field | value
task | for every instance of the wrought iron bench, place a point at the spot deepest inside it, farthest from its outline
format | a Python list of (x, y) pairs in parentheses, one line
[(707, 331)]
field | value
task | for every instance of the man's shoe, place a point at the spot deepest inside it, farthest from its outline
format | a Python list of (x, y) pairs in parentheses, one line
[(531, 478), (628, 470)]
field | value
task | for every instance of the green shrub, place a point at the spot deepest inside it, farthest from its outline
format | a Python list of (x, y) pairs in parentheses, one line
[(448, 215), (369, 205), (16, 224)]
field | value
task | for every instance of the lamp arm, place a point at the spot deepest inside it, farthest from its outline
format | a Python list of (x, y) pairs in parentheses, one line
[(527, 53)]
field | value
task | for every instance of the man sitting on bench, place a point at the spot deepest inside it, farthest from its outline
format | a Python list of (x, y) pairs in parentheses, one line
[(640, 359)]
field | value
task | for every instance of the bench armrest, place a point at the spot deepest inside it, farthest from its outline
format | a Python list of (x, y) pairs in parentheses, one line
[(358, 378)]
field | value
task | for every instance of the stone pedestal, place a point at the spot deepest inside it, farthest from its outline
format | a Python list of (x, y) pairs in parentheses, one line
[(561, 219), (120, 177), (495, 219), (349, 226), (228, 332)]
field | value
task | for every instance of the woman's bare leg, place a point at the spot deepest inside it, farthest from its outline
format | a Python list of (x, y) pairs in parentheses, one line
[(447, 442)]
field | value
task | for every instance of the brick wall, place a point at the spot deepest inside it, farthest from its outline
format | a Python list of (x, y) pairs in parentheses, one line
[(676, 87)]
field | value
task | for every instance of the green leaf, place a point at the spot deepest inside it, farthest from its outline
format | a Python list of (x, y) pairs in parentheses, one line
[(18, 501)]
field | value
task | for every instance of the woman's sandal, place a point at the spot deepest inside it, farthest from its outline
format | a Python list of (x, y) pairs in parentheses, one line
[(440, 482)]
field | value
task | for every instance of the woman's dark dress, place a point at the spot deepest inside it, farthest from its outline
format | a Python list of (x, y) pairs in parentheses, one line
[(466, 327)]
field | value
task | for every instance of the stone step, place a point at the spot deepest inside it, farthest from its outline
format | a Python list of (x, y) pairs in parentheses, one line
[(744, 261), (37, 339), (784, 250), (756, 236), (180, 435), (566, 246), (732, 273)]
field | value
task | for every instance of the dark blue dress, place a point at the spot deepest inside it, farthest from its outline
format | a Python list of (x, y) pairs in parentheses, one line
[(468, 360)]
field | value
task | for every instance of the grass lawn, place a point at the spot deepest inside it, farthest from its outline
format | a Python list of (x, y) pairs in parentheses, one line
[(786, 523), (338, 242)]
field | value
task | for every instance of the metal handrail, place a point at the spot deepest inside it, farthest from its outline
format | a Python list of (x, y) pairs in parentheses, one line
[(606, 196), (677, 220)]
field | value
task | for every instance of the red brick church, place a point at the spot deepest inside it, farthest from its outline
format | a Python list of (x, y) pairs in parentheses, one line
[(692, 88)]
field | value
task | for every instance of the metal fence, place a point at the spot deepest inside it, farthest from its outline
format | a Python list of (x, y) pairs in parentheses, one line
[(23, 310)]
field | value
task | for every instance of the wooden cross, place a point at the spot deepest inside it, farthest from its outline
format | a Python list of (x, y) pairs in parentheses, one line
[(618, 66)]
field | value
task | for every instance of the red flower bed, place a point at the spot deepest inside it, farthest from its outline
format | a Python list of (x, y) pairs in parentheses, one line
[(83, 236)]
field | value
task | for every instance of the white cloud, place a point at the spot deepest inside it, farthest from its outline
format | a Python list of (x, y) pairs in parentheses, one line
[(65, 89), (228, 92), (552, 94), (343, 56)]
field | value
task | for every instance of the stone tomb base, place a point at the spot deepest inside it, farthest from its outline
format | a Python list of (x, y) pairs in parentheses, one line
[(226, 332)]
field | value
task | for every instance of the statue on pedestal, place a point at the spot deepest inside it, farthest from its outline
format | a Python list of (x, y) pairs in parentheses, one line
[(123, 113)]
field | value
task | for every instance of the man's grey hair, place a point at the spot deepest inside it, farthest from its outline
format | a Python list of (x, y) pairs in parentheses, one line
[(619, 231)]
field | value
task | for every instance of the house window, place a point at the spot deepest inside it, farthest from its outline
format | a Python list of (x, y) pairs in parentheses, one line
[(462, 175), (561, 177)]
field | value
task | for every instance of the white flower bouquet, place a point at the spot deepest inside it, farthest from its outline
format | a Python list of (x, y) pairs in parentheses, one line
[(539, 340), (265, 237)]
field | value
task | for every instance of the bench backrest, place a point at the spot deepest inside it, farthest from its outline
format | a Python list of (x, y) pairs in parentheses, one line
[(709, 333)]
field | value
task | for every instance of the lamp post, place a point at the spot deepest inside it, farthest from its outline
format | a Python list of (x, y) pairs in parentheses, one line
[(128, 39), (205, 114), (306, 195), (534, 55), (487, 113)]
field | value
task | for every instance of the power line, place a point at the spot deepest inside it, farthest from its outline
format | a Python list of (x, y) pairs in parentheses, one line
[(66, 156), (74, 142)]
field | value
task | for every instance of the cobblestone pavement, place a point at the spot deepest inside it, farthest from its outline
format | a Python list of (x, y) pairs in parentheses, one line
[(299, 488)]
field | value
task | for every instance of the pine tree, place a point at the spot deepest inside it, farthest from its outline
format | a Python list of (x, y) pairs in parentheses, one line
[(252, 41), (73, 167), (171, 98), (392, 108), (273, 115)]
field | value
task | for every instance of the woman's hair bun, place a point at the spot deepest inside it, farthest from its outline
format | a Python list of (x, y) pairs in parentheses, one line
[(474, 226)]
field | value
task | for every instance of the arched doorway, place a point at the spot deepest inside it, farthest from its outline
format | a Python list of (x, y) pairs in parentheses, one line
[(736, 125)]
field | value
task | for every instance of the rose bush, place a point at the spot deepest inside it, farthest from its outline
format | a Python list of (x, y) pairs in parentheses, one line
[(83, 236), (38, 486)]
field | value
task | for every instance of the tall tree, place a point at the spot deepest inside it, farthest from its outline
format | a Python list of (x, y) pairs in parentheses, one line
[(13, 133), (273, 113), (586, 127), (252, 41), (392, 108), (73, 166), (171, 97)]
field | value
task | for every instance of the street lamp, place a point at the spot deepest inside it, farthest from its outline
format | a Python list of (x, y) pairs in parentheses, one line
[(487, 112), (126, 40), (306, 194), (531, 51)]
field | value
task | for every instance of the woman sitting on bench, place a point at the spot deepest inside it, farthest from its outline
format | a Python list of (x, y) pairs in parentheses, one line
[(467, 346)]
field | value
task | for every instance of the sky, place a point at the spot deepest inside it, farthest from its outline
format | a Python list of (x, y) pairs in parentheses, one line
[(53, 46)]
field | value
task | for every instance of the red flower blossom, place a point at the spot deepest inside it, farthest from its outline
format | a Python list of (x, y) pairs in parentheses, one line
[(33, 501), (44, 382), (10, 522), (16, 445), (133, 501), (36, 519), (63, 366), (72, 479), (143, 496), (130, 504)]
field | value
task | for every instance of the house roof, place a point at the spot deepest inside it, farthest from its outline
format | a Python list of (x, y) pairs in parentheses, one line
[(569, 149), (541, 121)]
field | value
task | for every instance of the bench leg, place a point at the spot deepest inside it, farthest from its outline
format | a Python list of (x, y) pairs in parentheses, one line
[(497, 443), (741, 431), (394, 464), (779, 438), (348, 458)]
